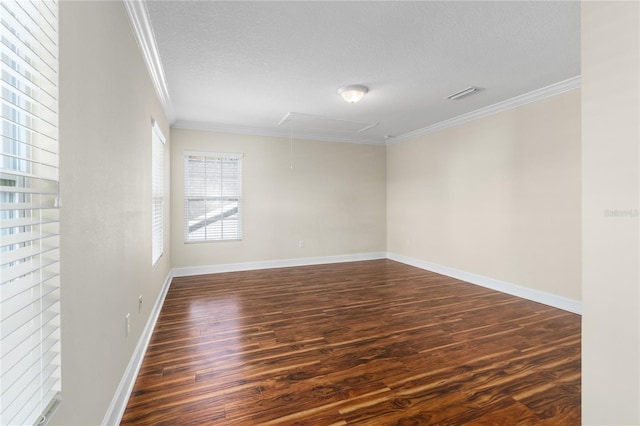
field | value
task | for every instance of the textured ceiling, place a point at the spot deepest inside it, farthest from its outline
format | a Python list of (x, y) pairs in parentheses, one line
[(246, 65)]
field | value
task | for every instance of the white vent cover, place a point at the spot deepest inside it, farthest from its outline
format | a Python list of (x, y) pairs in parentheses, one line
[(464, 92), (318, 122)]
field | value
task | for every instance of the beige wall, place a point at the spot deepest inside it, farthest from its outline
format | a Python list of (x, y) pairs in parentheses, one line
[(611, 182), (106, 104), (497, 197), (333, 199)]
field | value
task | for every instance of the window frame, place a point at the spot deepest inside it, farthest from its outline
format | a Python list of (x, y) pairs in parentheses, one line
[(158, 142), (234, 194)]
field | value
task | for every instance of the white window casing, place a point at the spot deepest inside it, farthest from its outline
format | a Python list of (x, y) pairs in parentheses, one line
[(157, 193), (212, 196)]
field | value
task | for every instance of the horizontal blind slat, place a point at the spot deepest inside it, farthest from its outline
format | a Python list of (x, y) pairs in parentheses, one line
[(10, 357), (34, 159), (41, 127), (23, 296), (21, 190), (14, 333), (40, 32), (27, 221), (28, 111), (28, 206), (47, 278), (48, 173), (23, 268), (9, 240), (24, 139)]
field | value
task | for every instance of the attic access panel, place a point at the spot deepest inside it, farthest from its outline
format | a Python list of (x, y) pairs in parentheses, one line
[(298, 120)]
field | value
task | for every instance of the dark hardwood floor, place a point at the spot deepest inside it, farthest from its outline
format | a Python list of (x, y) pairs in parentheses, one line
[(367, 343)]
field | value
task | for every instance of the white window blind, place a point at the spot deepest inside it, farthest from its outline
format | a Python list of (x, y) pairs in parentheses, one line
[(212, 196), (29, 241), (157, 192)]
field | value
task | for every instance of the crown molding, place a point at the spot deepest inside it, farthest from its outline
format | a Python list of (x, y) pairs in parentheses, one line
[(533, 96), (283, 132), (143, 32)]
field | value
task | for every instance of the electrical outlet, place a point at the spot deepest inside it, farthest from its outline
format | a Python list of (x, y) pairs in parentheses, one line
[(127, 324), (301, 244), (140, 304)]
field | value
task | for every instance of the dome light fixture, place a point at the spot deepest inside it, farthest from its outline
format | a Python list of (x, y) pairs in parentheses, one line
[(352, 94)]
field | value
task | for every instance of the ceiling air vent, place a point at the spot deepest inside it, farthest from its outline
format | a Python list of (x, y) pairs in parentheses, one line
[(464, 92)]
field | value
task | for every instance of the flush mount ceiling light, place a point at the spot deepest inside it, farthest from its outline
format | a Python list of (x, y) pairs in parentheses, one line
[(464, 92), (352, 94)]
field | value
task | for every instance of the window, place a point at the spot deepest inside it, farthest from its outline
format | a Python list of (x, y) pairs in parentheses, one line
[(212, 196), (29, 215), (157, 193)]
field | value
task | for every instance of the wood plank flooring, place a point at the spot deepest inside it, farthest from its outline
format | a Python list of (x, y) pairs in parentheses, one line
[(366, 343)]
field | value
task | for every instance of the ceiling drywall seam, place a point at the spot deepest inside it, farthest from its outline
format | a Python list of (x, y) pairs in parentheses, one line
[(533, 96), (283, 132), (143, 32)]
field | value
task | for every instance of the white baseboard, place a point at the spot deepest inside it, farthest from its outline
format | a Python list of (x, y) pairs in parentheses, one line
[(269, 264), (549, 299), (119, 402)]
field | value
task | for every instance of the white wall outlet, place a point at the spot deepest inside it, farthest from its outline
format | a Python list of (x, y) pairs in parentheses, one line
[(301, 244), (127, 324), (140, 304)]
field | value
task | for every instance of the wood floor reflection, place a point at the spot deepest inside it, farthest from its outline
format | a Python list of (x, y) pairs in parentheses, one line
[(367, 343)]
